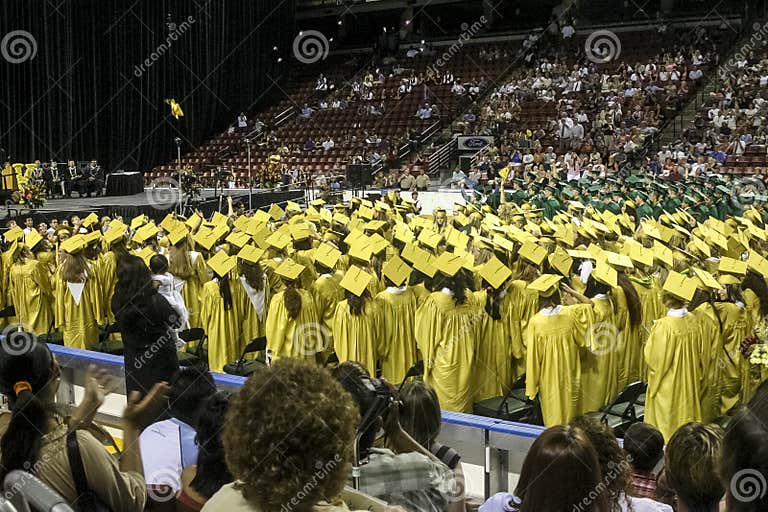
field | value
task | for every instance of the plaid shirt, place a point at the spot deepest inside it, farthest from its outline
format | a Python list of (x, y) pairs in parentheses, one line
[(411, 480), (644, 484)]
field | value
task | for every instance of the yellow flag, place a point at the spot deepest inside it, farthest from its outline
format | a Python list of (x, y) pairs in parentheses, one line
[(175, 108), (504, 172)]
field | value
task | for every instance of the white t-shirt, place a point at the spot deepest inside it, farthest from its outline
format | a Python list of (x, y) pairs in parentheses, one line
[(167, 447)]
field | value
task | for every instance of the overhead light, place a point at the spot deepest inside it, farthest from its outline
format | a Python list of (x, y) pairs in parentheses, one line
[(274, 48), (279, 59)]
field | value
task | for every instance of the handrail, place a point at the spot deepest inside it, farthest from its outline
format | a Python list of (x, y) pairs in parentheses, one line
[(442, 156)]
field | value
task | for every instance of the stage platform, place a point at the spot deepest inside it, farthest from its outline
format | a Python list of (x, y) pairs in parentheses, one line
[(156, 203)]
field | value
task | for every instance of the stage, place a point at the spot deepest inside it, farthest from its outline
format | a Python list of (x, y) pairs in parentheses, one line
[(154, 202)]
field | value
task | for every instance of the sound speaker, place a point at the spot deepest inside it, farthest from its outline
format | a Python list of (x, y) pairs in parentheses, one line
[(359, 175)]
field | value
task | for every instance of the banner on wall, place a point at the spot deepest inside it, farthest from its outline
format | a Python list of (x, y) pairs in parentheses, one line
[(474, 142)]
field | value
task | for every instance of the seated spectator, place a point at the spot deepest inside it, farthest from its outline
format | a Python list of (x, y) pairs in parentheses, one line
[(168, 446), (305, 439), (422, 181), (202, 480), (645, 445), (33, 432), (410, 476), (616, 470), (561, 454), (306, 112), (691, 468)]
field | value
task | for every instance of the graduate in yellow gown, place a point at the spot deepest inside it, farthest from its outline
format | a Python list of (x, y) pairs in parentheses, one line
[(600, 360), (447, 333), (649, 294), (677, 359), (632, 339), (523, 300), (702, 308), (397, 350), (553, 365), (357, 325), (326, 290), (499, 343), (735, 323), (189, 266), (293, 325), (219, 314), (31, 291), (250, 292), (77, 310)]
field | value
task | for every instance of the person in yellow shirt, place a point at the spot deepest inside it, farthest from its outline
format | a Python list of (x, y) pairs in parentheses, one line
[(357, 324), (677, 358), (293, 325), (447, 334), (398, 350), (77, 310), (30, 287), (219, 315)]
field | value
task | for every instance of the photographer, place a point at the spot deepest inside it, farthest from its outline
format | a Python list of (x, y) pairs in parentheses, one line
[(407, 474)]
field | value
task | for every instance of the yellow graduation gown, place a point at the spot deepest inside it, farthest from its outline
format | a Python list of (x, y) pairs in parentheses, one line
[(710, 331), (421, 293), (653, 309), (355, 337), (599, 362), (220, 325), (553, 366), (498, 347), (626, 350), (446, 334), (524, 304), (734, 366), (327, 293), (299, 337), (193, 288), (397, 350), (252, 323), (32, 295), (79, 323), (676, 373)]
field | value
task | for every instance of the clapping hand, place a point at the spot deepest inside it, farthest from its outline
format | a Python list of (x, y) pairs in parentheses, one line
[(98, 384)]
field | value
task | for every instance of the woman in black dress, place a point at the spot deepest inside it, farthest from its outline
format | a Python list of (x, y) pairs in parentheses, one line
[(145, 319)]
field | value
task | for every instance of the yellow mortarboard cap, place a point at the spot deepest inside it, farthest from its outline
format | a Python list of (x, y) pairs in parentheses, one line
[(219, 232), (365, 212), (13, 234), (430, 238), (290, 206), (728, 279), (561, 261), (278, 240), (222, 264), (457, 239), (378, 243), (275, 212), (361, 249), (641, 255), (168, 223), (374, 225), (250, 253), (579, 254), (145, 232), (700, 246), (606, 274), (300, 231), (533, 253), (340, 218), (238, 238), (449, 263), (90, 220), (664, 254), (403, 233), (680, 286), (732, 266), (193, 221), (32, 239), (73, 244), (495, 272), (219, 219), (503, 243), (289, 270), (139, 221), (317, 202), (204, 238), (242, 223), (356, 280), (758, 263), (261, 216), (707, 279), (619, 260), (423, 262), (327, 255), (714, 238), (396, 270), (545, 284), (146, 254), (178, 234)]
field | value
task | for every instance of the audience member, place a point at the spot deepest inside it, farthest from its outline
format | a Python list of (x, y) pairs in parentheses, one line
[(645, 446)]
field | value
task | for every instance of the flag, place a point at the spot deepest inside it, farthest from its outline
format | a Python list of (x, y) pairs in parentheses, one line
[(175, 108), (504, 172)]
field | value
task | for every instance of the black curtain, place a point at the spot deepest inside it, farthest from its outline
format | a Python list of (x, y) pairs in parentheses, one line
[(83, 79)]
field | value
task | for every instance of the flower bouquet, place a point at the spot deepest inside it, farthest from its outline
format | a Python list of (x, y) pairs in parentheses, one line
[(30, 194)]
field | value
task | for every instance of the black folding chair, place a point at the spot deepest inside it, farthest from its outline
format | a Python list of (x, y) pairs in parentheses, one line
[(514, 406), (625, 410), (244, 367), (8, 312), (197, 355), (105, 344)]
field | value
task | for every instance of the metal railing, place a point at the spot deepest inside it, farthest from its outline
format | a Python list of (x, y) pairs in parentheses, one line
[(442, 156), (497, 447)]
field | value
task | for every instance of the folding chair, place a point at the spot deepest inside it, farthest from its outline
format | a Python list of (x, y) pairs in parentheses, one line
[(625, 409), (197, 355), (244, 367)]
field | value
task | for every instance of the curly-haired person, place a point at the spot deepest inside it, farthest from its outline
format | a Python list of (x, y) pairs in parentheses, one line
[(288, 442)]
